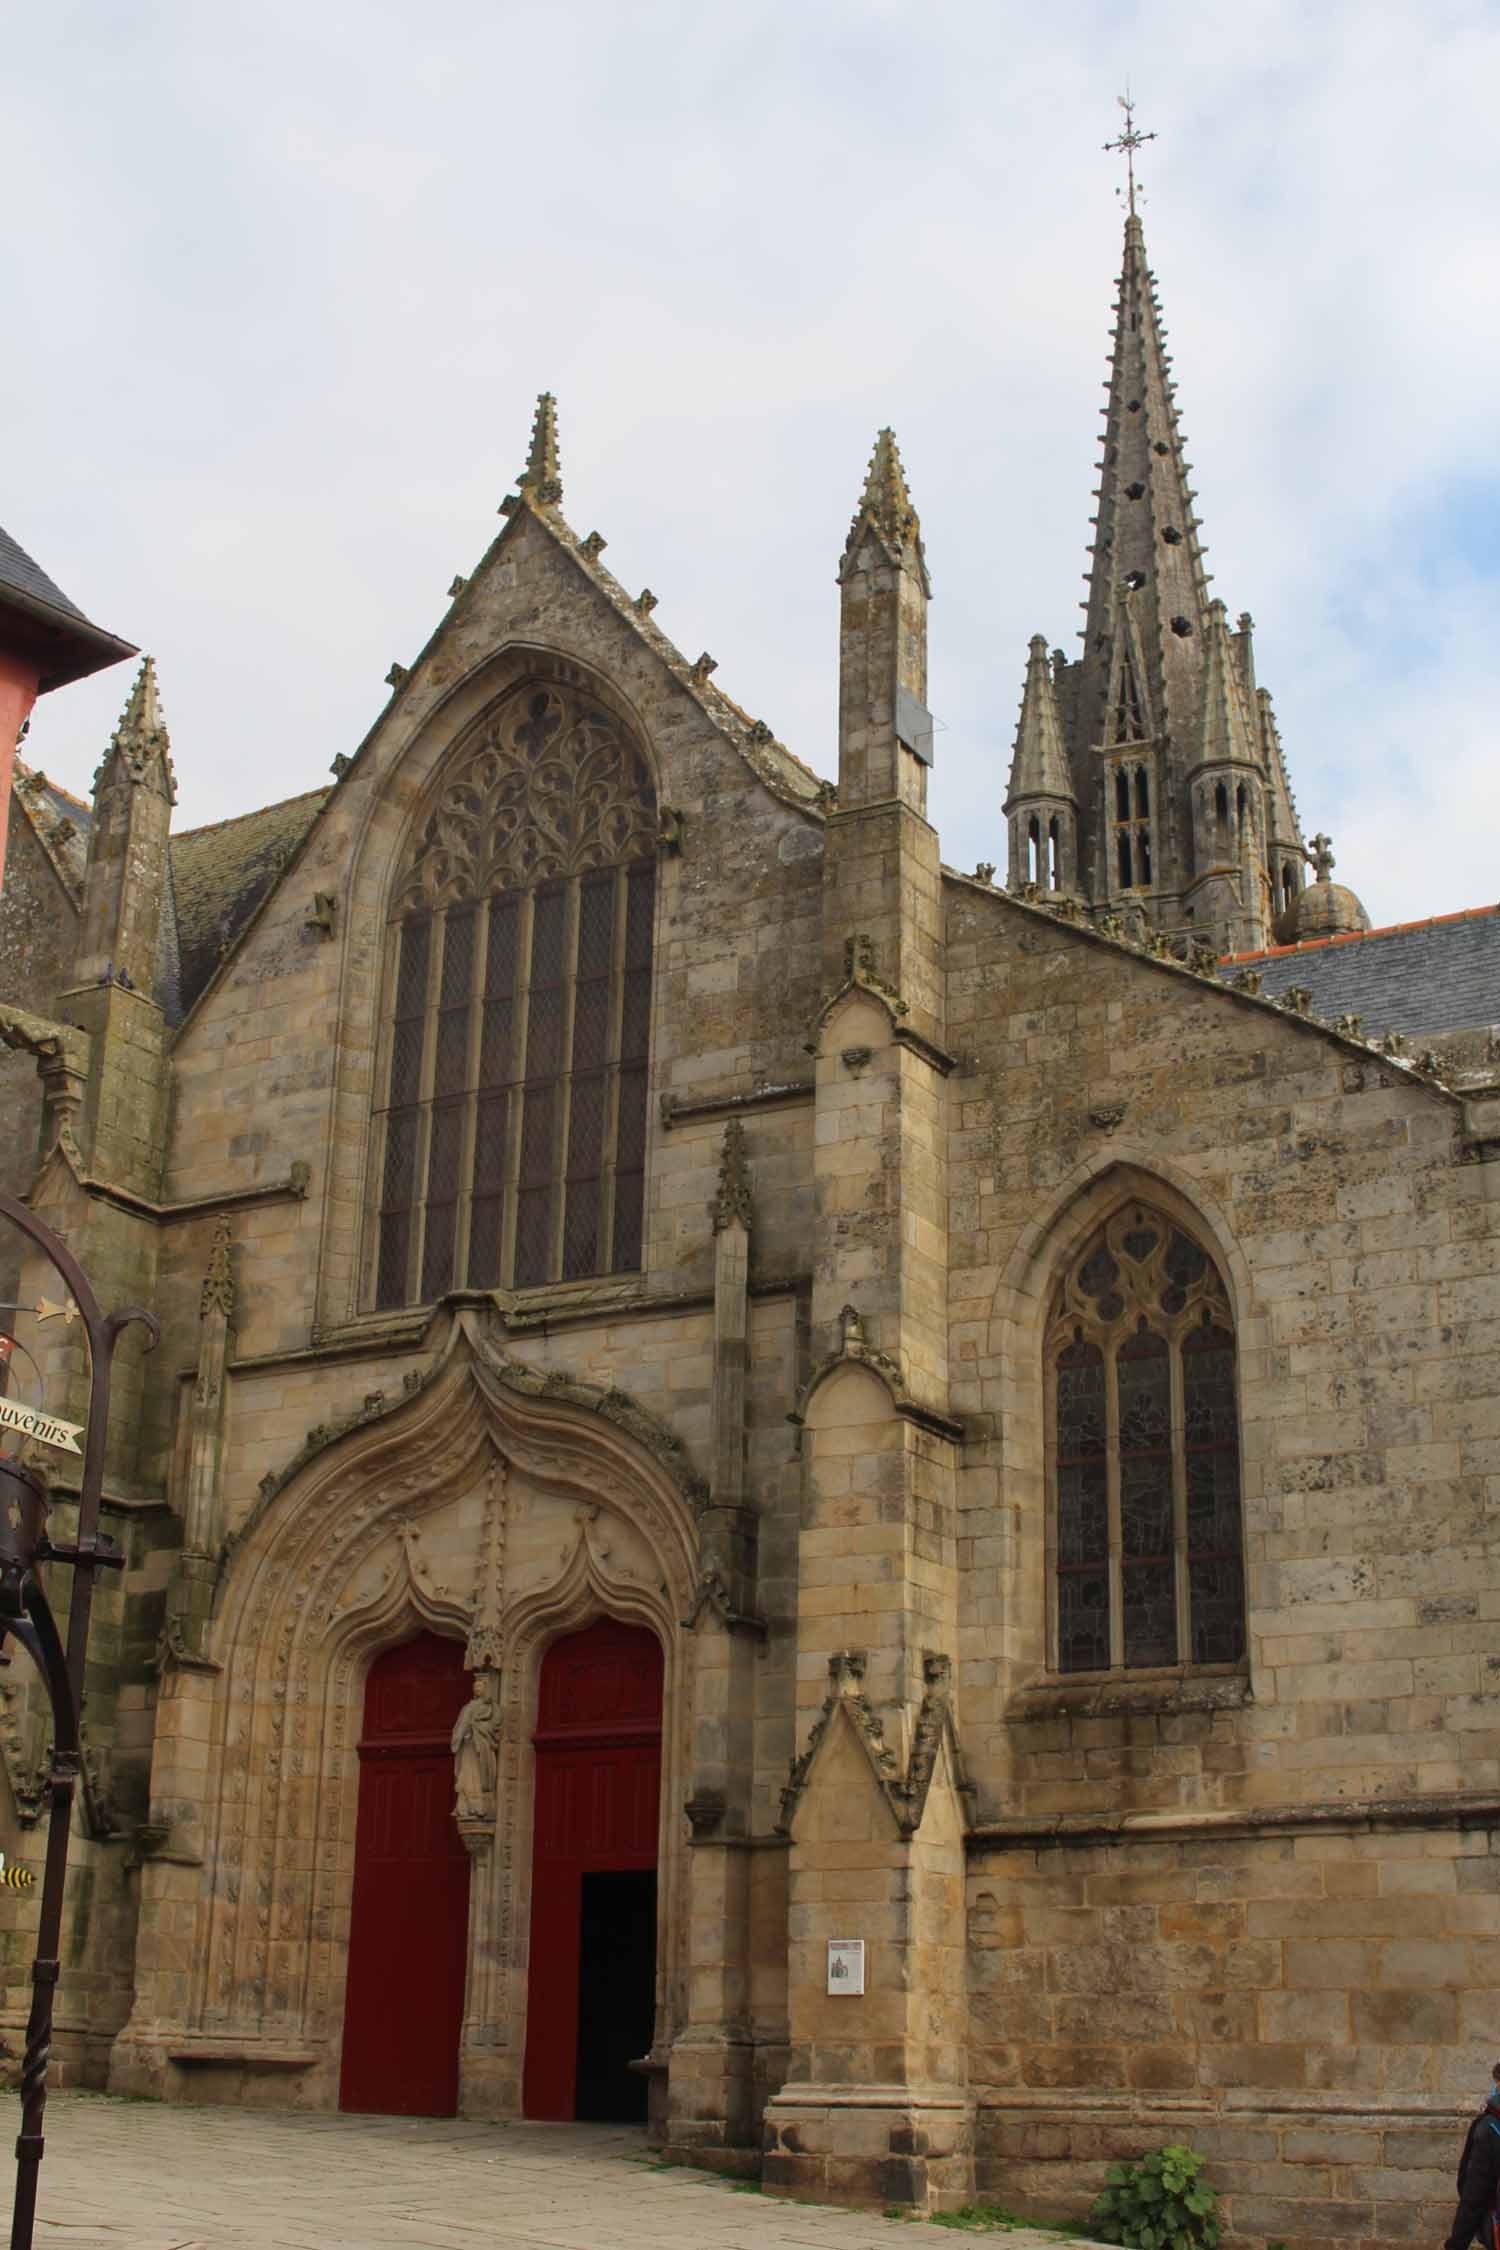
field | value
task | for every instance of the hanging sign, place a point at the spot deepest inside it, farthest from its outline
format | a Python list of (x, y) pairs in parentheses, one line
[(846, 1964), (47, 1429)]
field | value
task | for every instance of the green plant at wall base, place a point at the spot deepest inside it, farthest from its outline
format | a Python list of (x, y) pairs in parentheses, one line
[(1162, 2203)]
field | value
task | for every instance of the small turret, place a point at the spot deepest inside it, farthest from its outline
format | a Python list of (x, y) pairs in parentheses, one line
[(1285, 855), (1324, 908), (1228, 895), (1040, 808)]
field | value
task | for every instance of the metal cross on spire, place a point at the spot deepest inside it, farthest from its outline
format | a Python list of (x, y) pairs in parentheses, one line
[(1130, 140)]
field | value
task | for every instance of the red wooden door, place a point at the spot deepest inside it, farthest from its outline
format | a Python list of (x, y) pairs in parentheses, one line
[(409, 1921), (598, 1782)]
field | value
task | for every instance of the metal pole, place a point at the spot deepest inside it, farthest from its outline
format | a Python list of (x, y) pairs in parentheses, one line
[(63, 1674)]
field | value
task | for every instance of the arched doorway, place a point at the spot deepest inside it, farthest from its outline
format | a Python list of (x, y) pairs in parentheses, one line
[(591, 1993), (409, 1918)]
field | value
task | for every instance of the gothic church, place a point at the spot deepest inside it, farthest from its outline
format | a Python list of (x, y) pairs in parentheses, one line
[(786, 1490)]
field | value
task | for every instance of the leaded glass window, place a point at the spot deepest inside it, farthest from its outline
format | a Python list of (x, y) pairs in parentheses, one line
[(511, 1144), (1144, 1454)]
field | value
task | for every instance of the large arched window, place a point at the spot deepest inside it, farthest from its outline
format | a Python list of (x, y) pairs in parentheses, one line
[(1144, 1453), (511, 1147)]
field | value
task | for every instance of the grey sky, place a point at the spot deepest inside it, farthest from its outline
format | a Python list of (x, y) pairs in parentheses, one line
[(284, 281)]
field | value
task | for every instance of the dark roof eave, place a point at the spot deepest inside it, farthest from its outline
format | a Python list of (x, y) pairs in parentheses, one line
[(65, 645)]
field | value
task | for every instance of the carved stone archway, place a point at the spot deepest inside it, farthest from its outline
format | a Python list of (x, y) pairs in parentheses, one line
[(491, 1502)]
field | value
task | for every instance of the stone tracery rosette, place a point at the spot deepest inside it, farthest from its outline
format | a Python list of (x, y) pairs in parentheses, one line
[(548, 785)]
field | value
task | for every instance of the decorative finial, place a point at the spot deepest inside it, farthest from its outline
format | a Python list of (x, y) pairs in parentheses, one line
[(542, 480), (885, 505), (218, 1283), (886, 500), (732, 1205), (1129, 141), (1320, 853), (140, 741)]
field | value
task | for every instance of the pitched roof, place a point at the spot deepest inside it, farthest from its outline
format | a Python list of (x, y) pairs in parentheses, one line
[(62, 821), (66, 644), (220, 876), (1420, 978), (19, 574)]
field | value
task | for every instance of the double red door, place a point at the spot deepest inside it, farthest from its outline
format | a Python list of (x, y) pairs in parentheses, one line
[(409, 1922), (591, 1990)]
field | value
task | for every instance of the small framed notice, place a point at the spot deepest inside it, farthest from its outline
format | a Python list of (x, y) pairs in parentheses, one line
[(846, 1964)]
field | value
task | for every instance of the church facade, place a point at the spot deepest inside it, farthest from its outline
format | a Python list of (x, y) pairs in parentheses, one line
[(785, 1487)]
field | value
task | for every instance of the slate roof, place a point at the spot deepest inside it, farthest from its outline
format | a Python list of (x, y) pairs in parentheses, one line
[(52, 811), (19, 574), (1420, 978), (219, 877), (69, 645)]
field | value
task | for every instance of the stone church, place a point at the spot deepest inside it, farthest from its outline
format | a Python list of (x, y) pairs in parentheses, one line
[(844, 1503)]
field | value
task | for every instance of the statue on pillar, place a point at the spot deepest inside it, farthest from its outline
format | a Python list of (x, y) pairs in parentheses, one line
[(476, 1753)]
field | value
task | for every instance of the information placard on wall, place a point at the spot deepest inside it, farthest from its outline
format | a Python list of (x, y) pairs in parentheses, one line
[(846, 1964)]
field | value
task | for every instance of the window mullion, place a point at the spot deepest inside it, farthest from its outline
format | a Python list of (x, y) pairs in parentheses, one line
[(610, 1126), (386, 1062), (1116, 1536), (562, 1122), (468, 1150), (520, 1036), (1180, 1586), (417, 1247)]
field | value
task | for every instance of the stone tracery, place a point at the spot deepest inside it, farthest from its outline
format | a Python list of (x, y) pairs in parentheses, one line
[(548, 785)]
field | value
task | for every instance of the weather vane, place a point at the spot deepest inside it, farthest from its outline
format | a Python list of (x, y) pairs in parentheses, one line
[(1130, 140)]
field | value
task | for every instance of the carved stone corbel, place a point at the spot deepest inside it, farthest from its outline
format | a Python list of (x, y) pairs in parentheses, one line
[(62, 1058)]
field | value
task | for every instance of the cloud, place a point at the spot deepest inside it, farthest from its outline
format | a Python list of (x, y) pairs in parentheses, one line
[(291, 279)]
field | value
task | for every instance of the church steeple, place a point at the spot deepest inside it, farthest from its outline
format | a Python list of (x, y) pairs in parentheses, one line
[(1145, 533), (1177, 798)]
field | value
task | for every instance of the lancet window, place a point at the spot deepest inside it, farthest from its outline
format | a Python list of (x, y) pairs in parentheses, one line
[(1145, 1461), (1130, 784), (510, 1149)]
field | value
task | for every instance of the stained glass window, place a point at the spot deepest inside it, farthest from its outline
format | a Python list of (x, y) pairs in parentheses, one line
[(512, 1143), (1145, 1454)]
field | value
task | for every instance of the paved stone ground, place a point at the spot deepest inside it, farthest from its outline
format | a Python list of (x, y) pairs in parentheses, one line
[(142, 2176)]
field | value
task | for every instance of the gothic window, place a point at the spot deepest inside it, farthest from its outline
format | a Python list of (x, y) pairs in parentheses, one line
[(1144, 1454), (511, 1145), (1132, 824)]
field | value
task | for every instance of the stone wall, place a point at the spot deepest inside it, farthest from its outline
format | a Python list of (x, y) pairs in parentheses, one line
[(1256, 1910), (1305, 2008)]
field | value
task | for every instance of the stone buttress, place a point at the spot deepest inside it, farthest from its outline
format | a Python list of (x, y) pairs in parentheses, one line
[(875, 2107)]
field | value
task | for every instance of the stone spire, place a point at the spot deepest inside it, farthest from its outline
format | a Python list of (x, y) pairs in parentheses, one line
[(541, 480), (1041, 808), (886, 509), (1039, 765), (1283, 829), (140, 744), (125, 878), (1146, 534), (1226, 735)]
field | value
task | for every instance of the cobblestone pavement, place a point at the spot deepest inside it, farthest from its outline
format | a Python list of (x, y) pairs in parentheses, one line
[(142, 2176)]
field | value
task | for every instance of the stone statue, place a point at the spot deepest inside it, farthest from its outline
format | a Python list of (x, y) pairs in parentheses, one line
[(476, 1753)]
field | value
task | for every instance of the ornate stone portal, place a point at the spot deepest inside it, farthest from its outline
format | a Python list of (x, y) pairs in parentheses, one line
[(471, 1507)]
